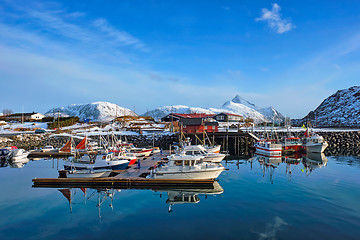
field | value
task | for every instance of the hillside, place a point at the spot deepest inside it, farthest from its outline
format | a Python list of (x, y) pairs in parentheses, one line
[(96, 111)]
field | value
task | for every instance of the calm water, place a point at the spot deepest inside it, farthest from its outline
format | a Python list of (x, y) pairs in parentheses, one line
[(256, 199)]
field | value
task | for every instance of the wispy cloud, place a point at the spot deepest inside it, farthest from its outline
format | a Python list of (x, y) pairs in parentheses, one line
[(121, 37), (274, 20)]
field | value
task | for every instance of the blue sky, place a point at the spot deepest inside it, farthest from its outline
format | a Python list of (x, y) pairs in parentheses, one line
[(287, 54)]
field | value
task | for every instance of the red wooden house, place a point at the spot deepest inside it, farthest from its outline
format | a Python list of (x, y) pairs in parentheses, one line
[(198, 125)]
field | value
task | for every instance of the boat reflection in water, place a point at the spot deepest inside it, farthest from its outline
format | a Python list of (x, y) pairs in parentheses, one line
[(189, 196), (268, 164), (310, 161), (18, 163), (99, 196), (103, 196)]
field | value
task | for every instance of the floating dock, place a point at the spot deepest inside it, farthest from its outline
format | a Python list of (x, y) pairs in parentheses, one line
[(133, 177)]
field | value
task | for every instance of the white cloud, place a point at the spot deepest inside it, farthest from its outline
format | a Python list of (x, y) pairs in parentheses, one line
[(274, 20)]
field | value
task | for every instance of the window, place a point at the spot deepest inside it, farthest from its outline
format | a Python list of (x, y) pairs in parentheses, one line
[(220, 117)]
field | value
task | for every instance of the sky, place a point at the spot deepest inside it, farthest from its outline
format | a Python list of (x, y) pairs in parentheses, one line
[(145, 54)]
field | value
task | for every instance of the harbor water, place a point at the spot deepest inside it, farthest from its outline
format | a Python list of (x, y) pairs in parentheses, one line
[(302, 197)]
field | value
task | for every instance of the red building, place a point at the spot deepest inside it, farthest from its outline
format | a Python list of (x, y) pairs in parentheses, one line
[(198, 125)]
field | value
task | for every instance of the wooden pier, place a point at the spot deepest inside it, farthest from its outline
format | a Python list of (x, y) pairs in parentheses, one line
[(38, 154), (133, 177)]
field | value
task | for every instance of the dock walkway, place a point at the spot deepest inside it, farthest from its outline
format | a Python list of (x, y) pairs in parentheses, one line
[(133, 177)]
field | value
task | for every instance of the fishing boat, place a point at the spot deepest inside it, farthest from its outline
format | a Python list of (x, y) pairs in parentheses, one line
[(97, 162), (268, 147), (293, 144), (201, 151), (182, 166), (315, 144)]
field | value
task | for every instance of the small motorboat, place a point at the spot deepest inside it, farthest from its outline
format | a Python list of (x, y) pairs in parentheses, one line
[(19, 155), (182, 166), (85, 173), (97, 162)]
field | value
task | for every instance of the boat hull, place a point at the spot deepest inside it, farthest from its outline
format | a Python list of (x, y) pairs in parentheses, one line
[(196, 174), (77, 174), (316, 148), (215, 149), (275, 152), (114, 165), (214, 158)]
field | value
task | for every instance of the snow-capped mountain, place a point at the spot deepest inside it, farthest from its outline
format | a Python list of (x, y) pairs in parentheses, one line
[(96, 111), (237, 105), (342, 109)]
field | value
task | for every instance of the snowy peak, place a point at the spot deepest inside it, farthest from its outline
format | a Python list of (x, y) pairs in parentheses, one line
[(96, 111), (238, 99)]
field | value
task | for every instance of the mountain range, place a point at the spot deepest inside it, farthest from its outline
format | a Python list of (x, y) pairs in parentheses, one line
[(96, 111), (237, 106), (341, 109)]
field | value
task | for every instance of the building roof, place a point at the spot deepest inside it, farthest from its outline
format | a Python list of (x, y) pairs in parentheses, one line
[(192, 115), (22, 114), (229, 114)]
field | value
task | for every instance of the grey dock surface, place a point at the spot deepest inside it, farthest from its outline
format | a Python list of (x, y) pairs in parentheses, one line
[(133, 177)]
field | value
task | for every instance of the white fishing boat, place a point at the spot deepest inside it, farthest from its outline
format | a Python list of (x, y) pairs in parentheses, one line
[(315, 144), (182, 166), (268, 147), (194, 150)]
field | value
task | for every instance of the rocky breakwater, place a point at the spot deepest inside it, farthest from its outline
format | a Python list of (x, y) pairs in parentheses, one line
[(346, 143), (33, 141)]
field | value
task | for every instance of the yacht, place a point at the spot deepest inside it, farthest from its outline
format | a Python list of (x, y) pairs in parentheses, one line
[(182, 166)]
